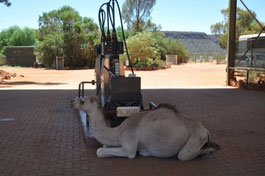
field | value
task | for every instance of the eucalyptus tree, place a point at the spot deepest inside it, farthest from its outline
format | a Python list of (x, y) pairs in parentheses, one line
[(245, 24), (137, 14), (6, 2), (65, 33)]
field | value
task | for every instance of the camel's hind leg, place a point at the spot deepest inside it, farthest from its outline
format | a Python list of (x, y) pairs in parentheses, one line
[(194, 147)]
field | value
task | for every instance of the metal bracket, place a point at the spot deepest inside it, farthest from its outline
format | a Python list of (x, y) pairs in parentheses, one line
[(81, 87)]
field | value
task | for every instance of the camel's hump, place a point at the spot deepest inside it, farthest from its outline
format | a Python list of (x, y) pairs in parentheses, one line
[(168, 106)]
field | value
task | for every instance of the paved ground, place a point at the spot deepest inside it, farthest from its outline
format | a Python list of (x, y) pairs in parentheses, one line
[(180, 76), (46, 138)]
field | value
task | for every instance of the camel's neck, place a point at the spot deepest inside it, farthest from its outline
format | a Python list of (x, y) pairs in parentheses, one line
[(103, 133)]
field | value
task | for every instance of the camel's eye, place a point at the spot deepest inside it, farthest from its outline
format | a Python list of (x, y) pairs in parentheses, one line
[(82, 102)]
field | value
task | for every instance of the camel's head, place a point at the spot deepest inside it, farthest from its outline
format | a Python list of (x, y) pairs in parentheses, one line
[(86, 103)]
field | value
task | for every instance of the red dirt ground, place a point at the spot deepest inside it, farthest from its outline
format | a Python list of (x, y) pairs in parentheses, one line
[(4, 75), (205, 75)]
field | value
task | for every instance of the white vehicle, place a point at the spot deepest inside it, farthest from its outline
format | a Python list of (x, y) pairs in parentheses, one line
[(250, 37), (256, 55)]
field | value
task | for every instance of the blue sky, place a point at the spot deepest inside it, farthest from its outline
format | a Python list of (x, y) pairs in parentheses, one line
[(172, 15)]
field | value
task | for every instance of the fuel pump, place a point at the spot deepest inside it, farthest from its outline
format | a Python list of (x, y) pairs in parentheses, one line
[(115, 91)]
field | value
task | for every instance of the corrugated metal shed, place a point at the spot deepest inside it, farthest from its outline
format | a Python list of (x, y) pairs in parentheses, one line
[(20, 56)]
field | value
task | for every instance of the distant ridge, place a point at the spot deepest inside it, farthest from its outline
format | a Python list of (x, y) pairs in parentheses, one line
[(215, 38), (186, 35), (197, 42)]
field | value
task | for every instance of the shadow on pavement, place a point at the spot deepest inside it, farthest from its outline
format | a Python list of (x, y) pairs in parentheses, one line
[(5, 84)]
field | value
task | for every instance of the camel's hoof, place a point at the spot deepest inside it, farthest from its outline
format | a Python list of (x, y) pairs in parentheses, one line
[(100, 152)]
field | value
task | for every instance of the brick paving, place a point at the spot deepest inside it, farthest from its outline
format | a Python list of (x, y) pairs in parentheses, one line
[(46, 137)]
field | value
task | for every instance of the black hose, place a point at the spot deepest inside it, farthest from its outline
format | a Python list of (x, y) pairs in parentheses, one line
[(101, 20), (124, 39), (111, 19)]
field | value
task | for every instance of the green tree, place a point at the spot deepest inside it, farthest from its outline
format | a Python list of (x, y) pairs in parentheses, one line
[(176, 47), (15, 36), (6, 2), (50, 47), (170, 46), (142, 48), (218, 28), (23, 37), (73, 35), (245, 24), (161, 44), (136, 14), (127, 33)]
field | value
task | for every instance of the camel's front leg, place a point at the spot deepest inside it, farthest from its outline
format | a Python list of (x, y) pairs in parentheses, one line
[(128, 148), (118, 152)]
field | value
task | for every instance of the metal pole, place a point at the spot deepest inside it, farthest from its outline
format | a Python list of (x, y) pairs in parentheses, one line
[(247, 79), (83, 89), (231, 40)]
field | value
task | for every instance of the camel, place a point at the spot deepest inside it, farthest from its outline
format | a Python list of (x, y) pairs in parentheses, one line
[(163, 132)]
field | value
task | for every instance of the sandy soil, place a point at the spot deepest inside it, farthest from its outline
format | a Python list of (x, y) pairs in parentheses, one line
[(206, 75)]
